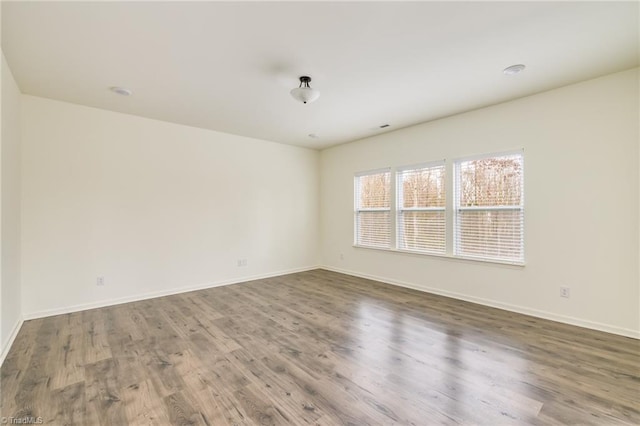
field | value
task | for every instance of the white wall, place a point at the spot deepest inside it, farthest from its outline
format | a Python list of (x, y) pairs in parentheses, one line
[(154, 207), (581, 212), (10, 312)]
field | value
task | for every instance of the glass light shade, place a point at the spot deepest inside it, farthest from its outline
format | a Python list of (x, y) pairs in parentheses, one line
[(305, 94)]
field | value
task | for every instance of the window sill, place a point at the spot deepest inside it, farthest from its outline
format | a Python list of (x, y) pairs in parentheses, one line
[(444, 256)]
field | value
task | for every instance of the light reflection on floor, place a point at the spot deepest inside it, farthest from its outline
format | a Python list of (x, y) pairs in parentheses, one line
[(409, 353)]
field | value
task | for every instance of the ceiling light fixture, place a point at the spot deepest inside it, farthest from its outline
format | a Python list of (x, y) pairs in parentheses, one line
[(121, 91), (304, 93), (514, 69)]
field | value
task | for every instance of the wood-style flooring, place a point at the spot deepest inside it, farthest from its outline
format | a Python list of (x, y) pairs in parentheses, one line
[(316, 348)]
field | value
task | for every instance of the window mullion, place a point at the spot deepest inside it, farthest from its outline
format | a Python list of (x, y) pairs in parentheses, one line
[(393, 219), (449, 212)]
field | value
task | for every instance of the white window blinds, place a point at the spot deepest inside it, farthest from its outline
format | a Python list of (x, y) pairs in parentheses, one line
[(373, 209), (421, 208), (489, 208)]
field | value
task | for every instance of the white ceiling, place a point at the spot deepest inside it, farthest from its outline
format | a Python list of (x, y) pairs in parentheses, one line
[(230, 66)]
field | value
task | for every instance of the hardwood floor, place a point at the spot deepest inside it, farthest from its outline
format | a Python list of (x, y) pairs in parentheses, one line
[(316, 348)]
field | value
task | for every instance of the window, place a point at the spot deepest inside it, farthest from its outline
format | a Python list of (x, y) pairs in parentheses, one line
[(373, 209), (421, 208), (489, 208), (412, 208)]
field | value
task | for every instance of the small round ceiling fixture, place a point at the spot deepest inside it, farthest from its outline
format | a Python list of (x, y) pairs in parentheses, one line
[(123, 91), (304, 93), (514, 69)]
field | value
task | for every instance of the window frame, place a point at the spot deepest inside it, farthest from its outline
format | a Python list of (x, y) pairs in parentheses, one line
[(457, 209), (451, 214), (399, 201), (357, 209)]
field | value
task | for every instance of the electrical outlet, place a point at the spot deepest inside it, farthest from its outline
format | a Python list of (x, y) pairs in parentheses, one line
[(565, 292), (341, 256), (242, 262), (100, 281)]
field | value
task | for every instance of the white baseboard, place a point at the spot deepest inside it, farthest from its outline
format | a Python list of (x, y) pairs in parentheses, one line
[(12, 338), (494, 304), (487, 302), (162, 293)]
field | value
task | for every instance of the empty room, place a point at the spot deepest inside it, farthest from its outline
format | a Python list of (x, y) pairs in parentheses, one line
[(320, 213)]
